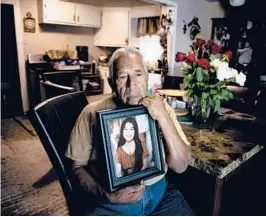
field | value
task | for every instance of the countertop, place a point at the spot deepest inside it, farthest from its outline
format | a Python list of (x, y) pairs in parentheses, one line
[(219, 153)]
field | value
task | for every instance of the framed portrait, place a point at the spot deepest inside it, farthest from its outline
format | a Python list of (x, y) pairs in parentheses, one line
[(220, 33), (131, 149)]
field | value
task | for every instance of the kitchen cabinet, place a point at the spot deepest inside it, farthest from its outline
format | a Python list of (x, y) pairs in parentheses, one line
[(115, 29), (87, 15), (57, 12), (68, 13)]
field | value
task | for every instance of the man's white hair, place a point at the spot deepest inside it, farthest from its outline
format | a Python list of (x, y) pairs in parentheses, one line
[(121, 52)]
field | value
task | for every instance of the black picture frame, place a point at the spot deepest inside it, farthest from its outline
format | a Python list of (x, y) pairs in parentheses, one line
[(109, 176)]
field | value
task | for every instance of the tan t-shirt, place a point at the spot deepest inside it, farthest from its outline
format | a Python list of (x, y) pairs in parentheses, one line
[(84, 138)]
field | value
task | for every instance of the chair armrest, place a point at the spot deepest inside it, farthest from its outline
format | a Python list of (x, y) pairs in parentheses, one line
[(51, 84), (52, 89)]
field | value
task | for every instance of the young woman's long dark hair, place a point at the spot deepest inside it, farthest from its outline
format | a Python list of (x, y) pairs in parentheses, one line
[(138, 149)]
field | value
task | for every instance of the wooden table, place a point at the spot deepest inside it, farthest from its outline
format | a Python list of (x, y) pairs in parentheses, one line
[(219, 154)]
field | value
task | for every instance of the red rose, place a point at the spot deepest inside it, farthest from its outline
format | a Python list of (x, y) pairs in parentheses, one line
[(216, 49), (208, 45), (228, 54), (204, 63), (191, 58), (200, 42), (194, 46), (180, 57)]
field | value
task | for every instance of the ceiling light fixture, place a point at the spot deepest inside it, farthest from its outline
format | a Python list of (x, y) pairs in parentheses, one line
[(237, 3)]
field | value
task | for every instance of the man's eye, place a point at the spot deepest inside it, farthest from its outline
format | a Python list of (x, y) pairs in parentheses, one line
[(122, 77), (139, 74)]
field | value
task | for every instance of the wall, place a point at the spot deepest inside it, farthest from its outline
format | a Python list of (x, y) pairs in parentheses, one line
[(186, 10), (54, 36)]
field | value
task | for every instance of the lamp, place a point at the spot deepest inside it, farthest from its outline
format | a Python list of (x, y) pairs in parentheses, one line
[(236, 3)]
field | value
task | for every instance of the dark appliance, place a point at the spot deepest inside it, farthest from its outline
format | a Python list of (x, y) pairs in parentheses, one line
[(83, 53)]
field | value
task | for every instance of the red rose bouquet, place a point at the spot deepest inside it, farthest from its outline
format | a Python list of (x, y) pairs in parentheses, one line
[(202, 84)]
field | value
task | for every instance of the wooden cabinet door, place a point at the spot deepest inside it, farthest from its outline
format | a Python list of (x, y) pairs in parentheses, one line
[(59, 12), (115, 28), (87, 15)]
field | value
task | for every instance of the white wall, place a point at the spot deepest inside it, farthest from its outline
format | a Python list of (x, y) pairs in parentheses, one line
[(186, 10)]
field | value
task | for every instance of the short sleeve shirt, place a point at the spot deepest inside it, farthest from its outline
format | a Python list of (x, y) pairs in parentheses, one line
[(84, 137)]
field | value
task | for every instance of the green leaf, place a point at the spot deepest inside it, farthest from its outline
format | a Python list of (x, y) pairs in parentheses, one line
[(214, 91), (217, 105), (187, 79), (226, 94), (206, 75), (230, 95), (204, 95), (184, 73), (199, 74), (212, 57), (189, 92)]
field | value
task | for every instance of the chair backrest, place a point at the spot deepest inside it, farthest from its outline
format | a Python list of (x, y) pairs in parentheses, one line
[(53, 121)]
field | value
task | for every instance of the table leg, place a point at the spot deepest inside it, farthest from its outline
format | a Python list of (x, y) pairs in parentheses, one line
[(217, 196)]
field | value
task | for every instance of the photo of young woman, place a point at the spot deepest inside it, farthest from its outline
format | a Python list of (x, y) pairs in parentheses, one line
[(131, 153)]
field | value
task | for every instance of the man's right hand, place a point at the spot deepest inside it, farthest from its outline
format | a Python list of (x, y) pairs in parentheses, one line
[(130, 194)]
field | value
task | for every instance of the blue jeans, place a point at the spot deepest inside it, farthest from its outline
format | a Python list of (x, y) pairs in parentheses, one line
[(159, 199)]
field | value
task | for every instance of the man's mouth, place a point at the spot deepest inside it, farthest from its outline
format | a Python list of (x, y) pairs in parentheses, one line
[(133, 96)]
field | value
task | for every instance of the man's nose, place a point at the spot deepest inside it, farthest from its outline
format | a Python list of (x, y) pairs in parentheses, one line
[(131, 82)]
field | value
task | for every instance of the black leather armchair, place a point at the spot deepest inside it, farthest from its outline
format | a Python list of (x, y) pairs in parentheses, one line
[(53, 121)]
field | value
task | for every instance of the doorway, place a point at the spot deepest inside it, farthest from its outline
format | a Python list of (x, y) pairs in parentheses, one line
[(11, 102)]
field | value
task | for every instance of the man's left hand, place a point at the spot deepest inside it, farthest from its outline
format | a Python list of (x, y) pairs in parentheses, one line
[(155, 106)]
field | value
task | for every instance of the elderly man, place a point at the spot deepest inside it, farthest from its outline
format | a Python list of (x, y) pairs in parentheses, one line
[(128, 78)]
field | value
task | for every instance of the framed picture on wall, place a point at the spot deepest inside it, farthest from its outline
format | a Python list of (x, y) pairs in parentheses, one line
[(131, 150), (220, 32)]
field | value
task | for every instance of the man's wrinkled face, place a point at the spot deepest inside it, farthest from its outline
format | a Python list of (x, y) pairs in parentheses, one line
[(131, 80)]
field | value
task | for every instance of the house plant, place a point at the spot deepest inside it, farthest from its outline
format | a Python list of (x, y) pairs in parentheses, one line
[(206, 76)]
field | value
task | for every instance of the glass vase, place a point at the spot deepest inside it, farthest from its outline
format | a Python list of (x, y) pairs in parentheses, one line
[(196, 111)]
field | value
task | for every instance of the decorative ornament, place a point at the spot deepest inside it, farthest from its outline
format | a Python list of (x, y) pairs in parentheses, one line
[(195, 28), (184, 27), (29, 23), (166, 23)]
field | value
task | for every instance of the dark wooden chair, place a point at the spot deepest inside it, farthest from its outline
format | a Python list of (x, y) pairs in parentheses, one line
[(53, 121)]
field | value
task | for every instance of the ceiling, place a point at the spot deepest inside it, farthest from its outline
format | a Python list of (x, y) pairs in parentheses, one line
[(111, 3)]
